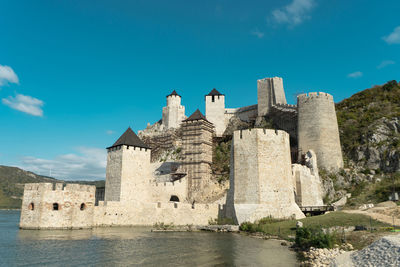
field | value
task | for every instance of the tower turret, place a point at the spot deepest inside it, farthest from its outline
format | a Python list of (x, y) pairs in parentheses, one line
[(215, 111), (318, 129), (128, 169), (269, 92), (174, 112)]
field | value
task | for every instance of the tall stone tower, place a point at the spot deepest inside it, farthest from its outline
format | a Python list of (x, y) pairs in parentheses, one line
[(197, 134), (269, 92), (261, 176), (318, 129), (174, 112), (128, 169), (215, 111)]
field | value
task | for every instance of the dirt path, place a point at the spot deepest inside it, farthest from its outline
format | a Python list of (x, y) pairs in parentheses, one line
[(380, 214)]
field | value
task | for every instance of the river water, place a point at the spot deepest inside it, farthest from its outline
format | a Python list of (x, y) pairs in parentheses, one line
[(130, 246)]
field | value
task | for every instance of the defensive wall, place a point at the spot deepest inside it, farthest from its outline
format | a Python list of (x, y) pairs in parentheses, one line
[(261, 177), (129, 214), (318, 129), (48, 206)]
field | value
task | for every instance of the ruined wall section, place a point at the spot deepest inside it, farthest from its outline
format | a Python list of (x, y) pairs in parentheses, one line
[(306, 181), (269, 92), (318, 129), (58, 207), (215, 112), (261, 177), (173, 113)]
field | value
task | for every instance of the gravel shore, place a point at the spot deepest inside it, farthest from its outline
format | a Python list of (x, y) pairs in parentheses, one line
[(384, 252)]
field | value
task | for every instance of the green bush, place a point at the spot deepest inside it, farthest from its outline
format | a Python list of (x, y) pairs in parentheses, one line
[(307, 237)]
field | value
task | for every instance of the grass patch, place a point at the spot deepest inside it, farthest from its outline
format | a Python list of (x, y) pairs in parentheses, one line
[(287, 229)]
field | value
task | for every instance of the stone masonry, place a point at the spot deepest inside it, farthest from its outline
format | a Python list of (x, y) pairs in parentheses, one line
[(261, 177)]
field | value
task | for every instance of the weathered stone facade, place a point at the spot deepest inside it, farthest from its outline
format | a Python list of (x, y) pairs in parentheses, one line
[(307, 184), (318, 129), (261, 176), (53, 206)]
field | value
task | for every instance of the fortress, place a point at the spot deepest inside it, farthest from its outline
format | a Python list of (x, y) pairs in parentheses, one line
[(164, 175)]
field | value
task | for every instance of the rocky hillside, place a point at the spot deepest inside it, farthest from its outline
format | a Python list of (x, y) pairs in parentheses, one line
[(369, 124), (12, 180)]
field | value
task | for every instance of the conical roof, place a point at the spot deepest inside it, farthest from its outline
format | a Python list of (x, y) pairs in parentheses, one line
[(173, 93), (214, 92), (129, 138), (197, 115)]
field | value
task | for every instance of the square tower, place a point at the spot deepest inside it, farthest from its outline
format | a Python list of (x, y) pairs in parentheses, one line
[(197, 134), (269, 92), (128, 169)]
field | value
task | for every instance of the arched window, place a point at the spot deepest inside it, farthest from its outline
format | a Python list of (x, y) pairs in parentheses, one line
[(31, 206), (55, 206), (174, 198), (83, 206)]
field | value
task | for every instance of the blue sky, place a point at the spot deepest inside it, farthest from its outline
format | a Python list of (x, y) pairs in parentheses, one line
[(75, 74)]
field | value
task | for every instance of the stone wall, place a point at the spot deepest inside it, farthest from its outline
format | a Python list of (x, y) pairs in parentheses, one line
[(261, 178), (119, 214), (306, 182), (69, 207), (318, 129)]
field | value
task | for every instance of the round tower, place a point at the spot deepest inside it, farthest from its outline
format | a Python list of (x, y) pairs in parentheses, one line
[(215, 111), (318, 129), (174, 112)]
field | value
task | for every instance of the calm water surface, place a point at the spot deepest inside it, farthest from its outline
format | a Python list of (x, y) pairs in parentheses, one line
[(133, 246)]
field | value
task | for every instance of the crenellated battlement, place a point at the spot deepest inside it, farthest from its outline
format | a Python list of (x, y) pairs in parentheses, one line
[(314, 95), (59, 187), (258, 132)]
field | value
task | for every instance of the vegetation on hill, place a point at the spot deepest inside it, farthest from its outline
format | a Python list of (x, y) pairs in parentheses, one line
[(358, 116), (12, 180)]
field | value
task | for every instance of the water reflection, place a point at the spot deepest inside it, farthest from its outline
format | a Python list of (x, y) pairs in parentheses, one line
[(134, 246)]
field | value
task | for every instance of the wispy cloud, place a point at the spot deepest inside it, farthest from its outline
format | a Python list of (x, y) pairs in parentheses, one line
[(7, 75), (257, 33), (294, 13), (110, 132), (356, 74), (385, 63), (87, 164), (393, 37), (25, 103)]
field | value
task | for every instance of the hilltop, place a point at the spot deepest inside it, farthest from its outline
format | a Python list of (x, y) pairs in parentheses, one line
[(12, 180)]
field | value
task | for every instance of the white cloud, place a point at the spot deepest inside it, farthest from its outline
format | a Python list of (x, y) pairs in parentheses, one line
[(257, 33), (25, 103), (356, 74), (88, 164), (394, 37), (385, 63), (110, 132), (294, 13), (7, 75)]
